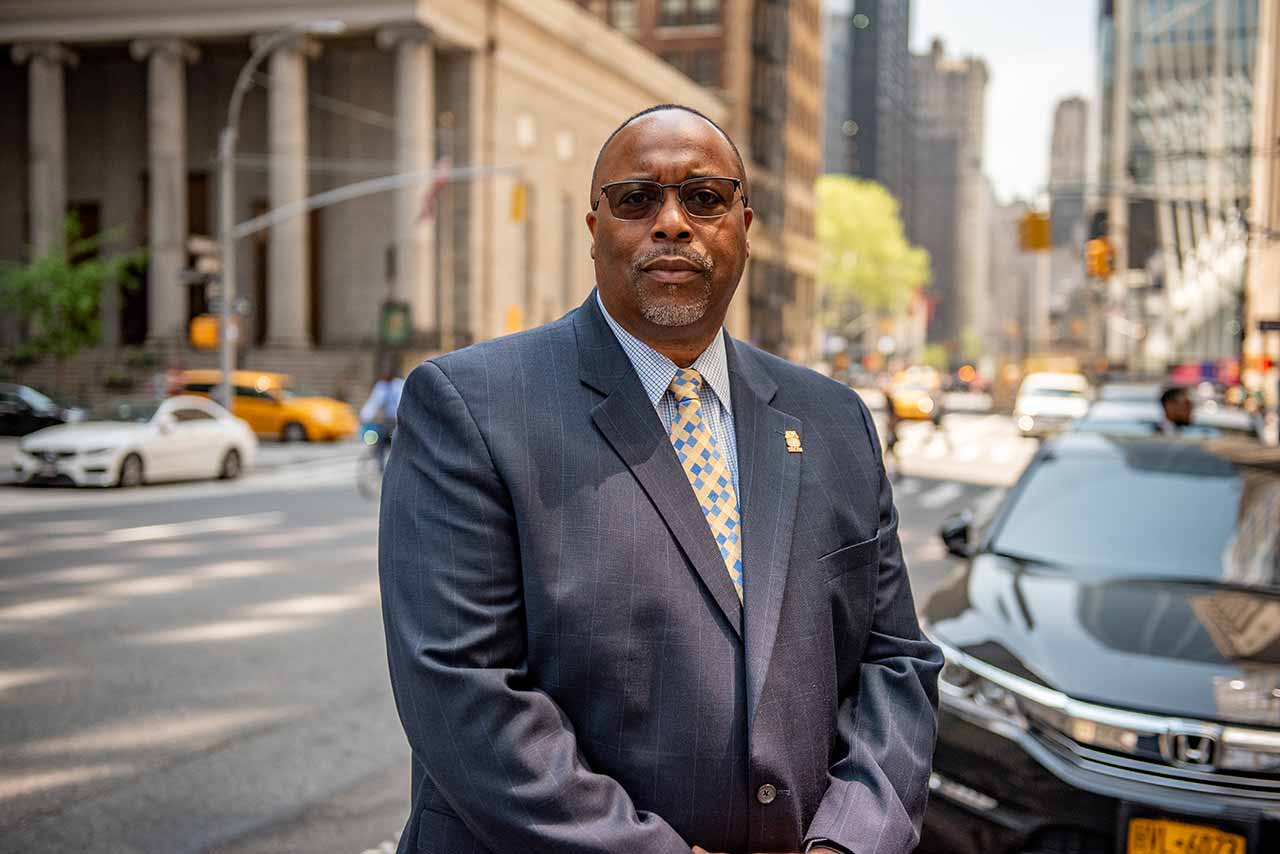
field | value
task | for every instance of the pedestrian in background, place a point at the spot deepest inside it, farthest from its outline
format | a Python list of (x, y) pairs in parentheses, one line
[(642, 584), (1175, 402)]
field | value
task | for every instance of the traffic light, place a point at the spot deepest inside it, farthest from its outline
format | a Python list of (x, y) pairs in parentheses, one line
[(1097, 258), (1033, 232)]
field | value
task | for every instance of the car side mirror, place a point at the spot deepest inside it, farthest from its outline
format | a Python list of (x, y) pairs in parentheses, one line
[(166, 425), (955, 534)]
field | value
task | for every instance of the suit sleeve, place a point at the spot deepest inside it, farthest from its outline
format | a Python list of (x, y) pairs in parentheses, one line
[(500, 751), (886, 730)]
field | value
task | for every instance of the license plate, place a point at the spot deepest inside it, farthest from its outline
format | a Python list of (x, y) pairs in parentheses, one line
[(1160, 836)]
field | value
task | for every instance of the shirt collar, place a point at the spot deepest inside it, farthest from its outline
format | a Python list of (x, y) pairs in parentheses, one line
[(656, 371)]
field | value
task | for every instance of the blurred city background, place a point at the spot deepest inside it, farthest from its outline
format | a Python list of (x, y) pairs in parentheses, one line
[(981, 216)]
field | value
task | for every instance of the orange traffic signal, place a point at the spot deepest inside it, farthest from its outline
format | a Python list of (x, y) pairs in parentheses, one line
[(1033, 232), (1098, 258)]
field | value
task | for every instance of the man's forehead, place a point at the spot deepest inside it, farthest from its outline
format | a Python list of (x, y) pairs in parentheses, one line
[(669, 140)]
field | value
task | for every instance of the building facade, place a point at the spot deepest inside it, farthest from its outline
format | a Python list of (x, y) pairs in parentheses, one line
[(1262, 295), (764, 57), (1068, 298), (869, 112), (1176, 112), (950, 197), (116, 107)]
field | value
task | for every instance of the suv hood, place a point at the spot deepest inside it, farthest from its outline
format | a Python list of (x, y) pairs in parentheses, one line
[(1182, 648)]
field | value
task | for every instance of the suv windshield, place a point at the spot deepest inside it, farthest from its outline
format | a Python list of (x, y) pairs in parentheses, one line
[(1166, 510)]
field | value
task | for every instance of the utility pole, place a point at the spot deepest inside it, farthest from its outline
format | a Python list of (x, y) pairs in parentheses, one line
[(227, 191)]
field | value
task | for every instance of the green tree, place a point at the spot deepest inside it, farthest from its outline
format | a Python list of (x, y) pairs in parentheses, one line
[(58, 294), (867, 261)]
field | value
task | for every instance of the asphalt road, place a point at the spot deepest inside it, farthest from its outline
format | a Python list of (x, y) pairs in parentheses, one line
[(200, 667)]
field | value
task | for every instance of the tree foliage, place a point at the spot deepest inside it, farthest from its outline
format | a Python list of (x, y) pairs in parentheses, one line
[(58, 295), (866, 258)]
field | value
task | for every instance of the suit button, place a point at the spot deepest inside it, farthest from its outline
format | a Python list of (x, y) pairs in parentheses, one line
[(766, 793)]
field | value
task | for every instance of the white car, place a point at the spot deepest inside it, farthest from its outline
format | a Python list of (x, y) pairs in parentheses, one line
[(131, 442), (1047, 402)]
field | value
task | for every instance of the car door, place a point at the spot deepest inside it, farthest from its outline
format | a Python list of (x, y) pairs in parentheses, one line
[(259, 408), (195, 442)]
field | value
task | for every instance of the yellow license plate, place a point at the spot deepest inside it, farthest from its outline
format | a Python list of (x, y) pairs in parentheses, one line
[(1159, 836)]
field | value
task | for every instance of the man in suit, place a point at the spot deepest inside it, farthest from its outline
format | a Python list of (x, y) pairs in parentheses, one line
[(642, 584)]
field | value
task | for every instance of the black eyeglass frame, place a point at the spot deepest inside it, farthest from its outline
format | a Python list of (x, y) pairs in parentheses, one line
[(662, 188)]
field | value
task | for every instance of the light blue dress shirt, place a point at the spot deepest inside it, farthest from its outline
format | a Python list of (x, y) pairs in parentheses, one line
[(656, 372)]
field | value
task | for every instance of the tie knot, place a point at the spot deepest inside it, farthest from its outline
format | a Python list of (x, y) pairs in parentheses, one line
[(685, 384)]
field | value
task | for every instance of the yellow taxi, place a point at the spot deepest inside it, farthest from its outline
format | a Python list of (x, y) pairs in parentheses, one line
[(917, 394), (276, 407)]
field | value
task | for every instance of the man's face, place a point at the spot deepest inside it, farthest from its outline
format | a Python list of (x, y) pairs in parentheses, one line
[(672, 275), (1179, 409)]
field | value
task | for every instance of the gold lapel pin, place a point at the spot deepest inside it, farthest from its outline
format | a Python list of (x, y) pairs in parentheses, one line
[(793, 442)]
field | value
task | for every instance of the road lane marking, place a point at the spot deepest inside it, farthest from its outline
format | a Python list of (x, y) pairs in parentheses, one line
[(216, 525)]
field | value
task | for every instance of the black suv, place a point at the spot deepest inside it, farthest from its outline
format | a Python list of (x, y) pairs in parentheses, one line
[(1112, 683)]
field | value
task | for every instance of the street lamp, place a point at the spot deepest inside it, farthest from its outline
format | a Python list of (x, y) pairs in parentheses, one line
[(227, 188)]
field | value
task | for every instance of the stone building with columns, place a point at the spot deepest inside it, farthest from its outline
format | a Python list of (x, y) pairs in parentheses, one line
[(112, 108)]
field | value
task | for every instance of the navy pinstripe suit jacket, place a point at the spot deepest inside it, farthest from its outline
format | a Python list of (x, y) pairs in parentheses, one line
[(569, 659)]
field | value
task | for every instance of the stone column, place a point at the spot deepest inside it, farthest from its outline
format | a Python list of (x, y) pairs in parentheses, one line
[(288, 247), (47, 140), (415, 150), (167, 184)]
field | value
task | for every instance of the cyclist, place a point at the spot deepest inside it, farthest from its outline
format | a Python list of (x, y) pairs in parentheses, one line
[(380, 411)]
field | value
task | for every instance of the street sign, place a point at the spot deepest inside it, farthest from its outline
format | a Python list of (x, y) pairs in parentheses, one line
[(396, 324)]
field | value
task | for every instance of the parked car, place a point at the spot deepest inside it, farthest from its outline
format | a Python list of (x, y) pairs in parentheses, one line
[(1112, 655), (276, 407), (1048, 402), (24, 410), (1144, 418), (131, 442), (917, 394)]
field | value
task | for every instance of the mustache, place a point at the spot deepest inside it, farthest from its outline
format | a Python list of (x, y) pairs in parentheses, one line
[(704, 263)]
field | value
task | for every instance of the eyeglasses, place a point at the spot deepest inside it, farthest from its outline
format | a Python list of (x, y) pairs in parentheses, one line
[(702, 198)]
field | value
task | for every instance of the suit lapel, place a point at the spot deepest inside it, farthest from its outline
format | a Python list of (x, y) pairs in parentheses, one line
[(629, 423), (769, 478)]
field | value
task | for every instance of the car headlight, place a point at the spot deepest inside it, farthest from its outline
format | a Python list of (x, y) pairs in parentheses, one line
[(93, 452), (973, 696), (1008, 704)]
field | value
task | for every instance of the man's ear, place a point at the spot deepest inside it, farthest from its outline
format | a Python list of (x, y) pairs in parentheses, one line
[(591, 227)]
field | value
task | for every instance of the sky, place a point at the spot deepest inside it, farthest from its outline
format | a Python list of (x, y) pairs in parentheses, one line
[(1037, 51)]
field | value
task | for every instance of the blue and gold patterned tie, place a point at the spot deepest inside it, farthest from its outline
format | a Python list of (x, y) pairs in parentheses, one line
[(707, 471)]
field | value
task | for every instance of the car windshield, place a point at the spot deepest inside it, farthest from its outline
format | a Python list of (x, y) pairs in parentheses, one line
[(35, 399), (1129, 392), (133, 411), (295, 391), (1150, 508), (1051, 391)]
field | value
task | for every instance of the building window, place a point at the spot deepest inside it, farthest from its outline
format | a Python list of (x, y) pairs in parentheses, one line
[(705, 67), (622, 15), (704, 12), (688, 13), (672, 13)]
